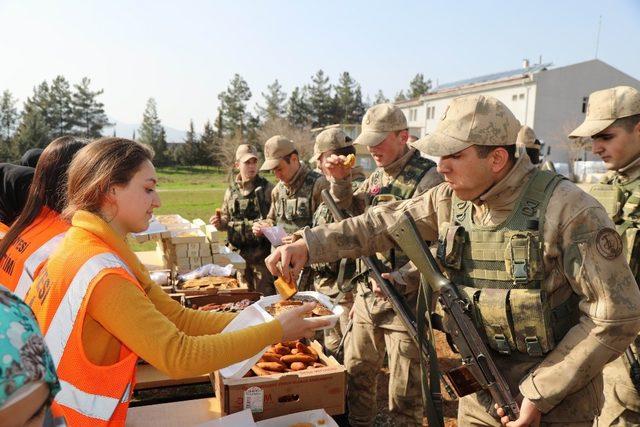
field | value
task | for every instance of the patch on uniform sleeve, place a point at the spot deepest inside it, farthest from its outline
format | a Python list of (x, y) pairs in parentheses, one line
[(609, 243)]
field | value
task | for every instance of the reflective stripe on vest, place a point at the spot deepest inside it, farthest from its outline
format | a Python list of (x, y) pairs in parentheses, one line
[(90, 405), (62, 322), (33, 262)]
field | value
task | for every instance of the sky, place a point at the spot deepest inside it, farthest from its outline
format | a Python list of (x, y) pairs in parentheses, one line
[(184, 53)]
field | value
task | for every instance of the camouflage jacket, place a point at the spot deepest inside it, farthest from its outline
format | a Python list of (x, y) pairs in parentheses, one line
[(234, 222), (582, 255), (304, 203)]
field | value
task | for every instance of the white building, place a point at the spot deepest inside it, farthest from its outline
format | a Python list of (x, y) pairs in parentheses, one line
[(550, 100)]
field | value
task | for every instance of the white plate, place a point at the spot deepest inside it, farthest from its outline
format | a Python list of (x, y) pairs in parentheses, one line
[(337, 310), (300, 417)]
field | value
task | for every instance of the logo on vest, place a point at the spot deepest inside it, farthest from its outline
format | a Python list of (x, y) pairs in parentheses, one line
[(609, 243)]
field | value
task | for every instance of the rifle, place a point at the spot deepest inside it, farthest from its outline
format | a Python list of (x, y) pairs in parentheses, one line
[(478, 371), (433, 401)]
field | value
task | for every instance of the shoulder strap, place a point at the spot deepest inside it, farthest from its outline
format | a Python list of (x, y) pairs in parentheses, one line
[(405, 184)]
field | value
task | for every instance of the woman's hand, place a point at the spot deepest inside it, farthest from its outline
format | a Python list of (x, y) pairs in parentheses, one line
[(296, 326)]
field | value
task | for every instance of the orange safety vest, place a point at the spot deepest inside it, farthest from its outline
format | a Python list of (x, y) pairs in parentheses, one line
[(91, 395), (29, 251)]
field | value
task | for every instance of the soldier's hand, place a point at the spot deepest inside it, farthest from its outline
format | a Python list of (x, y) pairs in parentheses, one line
[(216, 221), (529, 415), (287, 261), (257, 228), (335, 167)]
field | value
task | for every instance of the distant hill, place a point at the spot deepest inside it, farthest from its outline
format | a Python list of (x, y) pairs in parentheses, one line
[(126, 130)]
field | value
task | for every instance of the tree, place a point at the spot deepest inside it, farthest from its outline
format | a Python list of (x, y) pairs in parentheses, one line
[(153, 134), (88, 112), (233, 107), (380, 98), (349, 100), (8, 116), (418, 86), (192, 152), (400, 96), (58, 109), (33, 131), (322, 104), (298, 108), (274, 102), (8, 120), (209, 141)]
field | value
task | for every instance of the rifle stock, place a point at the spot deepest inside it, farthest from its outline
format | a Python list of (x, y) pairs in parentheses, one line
[(478, 369)]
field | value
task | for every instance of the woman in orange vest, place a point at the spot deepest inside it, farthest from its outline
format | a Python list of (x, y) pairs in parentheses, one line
[(99, 310), (38, 229)]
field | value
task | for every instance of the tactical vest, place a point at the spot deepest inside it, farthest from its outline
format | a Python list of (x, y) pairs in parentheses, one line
[(622, 203), (500, 271), (322, 216), (294, 213), (402, 187), (243, 210)]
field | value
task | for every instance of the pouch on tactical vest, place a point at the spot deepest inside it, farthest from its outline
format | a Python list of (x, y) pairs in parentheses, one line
[(500, 270)]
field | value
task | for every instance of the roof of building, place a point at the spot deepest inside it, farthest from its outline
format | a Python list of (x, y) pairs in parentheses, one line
[(490, 78)]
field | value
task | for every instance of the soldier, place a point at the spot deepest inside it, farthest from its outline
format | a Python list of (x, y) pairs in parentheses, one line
[(527, 139), (334, 142), (246, 201), (613, 124), (401, 173), (297, 194), (539, 259)]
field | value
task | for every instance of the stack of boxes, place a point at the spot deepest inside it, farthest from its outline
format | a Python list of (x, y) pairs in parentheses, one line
[(189, 248), (184, 246)]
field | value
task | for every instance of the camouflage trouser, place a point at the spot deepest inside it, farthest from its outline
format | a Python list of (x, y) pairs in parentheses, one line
[(333, 336), (621, 400), (472, 412), (364, 358), (256, 276)]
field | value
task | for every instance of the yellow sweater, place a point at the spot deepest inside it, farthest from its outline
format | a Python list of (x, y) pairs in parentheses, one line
[(179, 341)]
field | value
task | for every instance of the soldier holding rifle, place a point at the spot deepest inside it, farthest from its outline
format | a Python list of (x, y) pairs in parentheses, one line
[(539, 260)]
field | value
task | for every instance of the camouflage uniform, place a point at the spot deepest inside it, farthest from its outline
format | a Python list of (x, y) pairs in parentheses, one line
[(376, 328), (325, 275), (577, 266), (293, 203), (240, 208), (619, 193)]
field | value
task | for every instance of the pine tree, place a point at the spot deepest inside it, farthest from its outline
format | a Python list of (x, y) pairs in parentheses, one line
[(274, 102), (58, 109), (298, 108), (8, 121), (349, 100), (400, 96), (8, 116), (209, 141), (33, 131), (418, 86), (380, 98), (190, 152), (153, 134), (233, 107), (88, 112), (320, 100)]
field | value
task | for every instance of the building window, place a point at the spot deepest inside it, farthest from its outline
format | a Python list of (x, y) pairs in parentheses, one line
[(514, 97), (431, 112), (585, 102), (521, 96)]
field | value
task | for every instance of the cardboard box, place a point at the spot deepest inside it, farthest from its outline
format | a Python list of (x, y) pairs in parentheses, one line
[(222, 297), (286, 393), (206, 260)]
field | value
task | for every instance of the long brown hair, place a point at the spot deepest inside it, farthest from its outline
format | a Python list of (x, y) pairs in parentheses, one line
[(48, 187), (100, 165)]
